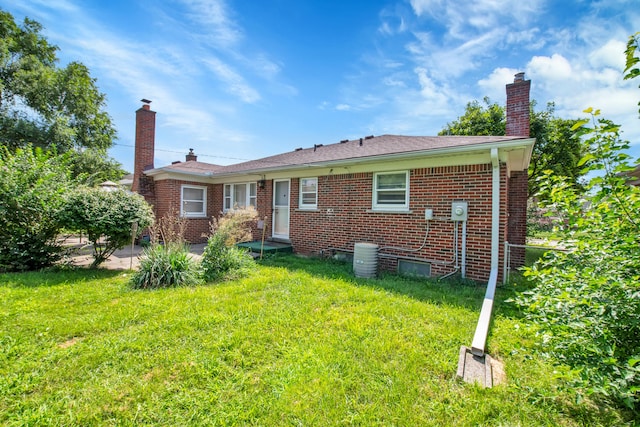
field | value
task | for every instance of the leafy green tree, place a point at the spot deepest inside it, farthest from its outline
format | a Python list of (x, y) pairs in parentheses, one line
[(557, 148), (586, 301), (32, 185), (106, 217), (478, 120), (631, 69), (45, 105), (92, 167)]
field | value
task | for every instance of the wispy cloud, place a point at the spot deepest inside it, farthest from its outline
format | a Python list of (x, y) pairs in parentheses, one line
[(213, 15), (233, 81)]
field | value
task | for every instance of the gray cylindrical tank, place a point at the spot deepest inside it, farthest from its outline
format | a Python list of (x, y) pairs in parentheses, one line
[(365, 259)]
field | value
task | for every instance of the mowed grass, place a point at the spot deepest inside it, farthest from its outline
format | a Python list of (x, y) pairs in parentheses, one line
[(300, 342)]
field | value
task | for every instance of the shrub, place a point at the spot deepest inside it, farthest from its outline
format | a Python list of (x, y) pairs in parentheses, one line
[(221, 258), (164, 266), (587, 301), (106, 217), (32, 185)]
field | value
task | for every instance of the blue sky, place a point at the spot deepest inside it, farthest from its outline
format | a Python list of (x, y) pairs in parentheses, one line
[(237, 80)]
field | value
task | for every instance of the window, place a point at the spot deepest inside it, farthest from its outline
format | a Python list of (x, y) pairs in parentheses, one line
[(391, 191), (193, 201), (308, 193), (239, 195)]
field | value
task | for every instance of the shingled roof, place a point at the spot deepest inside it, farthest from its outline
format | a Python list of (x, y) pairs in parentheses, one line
[(357, 150)]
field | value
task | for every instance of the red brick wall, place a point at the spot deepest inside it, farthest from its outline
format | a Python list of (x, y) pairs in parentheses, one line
[(517, 229), (344, 216), (168, 200)]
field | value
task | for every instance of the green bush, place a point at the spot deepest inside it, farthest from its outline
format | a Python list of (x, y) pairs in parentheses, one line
[(32, 185), (165, 266), (587, 301), (106, 217), (221, 258)]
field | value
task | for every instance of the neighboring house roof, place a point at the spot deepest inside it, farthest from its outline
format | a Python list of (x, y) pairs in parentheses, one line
[(351, 151), (191, 167), (126, 180), (634, 176)]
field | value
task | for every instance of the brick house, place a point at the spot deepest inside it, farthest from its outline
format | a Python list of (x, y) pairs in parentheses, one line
[(447, 203)]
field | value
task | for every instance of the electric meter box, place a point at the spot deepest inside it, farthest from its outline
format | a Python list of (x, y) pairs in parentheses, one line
[(458, 211)]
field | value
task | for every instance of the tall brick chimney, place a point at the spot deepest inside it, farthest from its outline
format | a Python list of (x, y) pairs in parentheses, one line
[(518, 124), (518, 107), (144, 149)]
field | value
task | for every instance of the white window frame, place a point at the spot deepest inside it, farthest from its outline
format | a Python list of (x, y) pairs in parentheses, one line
[(228, 195), (404, 206), (201, 214), (301, 203)]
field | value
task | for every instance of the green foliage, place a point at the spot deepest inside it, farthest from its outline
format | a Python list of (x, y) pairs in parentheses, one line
[(587, 300), (32, 184), (165, 266), (221, 258), (631, 69), (106, 217), (557, 148), (92, 167), (45, 105), (478, 120)]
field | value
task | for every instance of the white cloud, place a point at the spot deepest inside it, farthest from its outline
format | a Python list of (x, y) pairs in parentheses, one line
[(343, 107), (550, 69), (214, 16), (494, 85), (610, 54), (234, 82)]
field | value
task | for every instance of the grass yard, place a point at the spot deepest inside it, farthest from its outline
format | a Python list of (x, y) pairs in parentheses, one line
[(300, 342)]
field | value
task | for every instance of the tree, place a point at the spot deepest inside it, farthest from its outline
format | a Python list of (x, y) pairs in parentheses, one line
[(32, 184), (106, 217), (45, 105), (631, 69), (586, 302), (478, 120), (557, 148), (91, 167)]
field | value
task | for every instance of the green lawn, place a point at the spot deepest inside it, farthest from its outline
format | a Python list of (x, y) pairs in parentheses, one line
[(298, 343)]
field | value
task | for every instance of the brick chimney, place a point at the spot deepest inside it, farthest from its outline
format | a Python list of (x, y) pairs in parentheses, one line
[(518, 107), (191, 157), (144, 148), (518, 122)]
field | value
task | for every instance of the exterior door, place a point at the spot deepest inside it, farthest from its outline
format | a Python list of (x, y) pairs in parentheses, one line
[(281, 209)]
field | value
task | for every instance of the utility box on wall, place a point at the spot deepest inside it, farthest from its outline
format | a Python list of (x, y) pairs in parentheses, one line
[(458, 211)]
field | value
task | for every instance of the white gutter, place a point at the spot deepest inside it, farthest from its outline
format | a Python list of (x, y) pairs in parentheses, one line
[(482, 329)]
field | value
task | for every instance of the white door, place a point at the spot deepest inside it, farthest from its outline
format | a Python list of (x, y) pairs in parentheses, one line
[(281, 209)]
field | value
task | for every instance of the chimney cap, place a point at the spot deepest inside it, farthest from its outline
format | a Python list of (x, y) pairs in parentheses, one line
[(145, 100), (519, 77)]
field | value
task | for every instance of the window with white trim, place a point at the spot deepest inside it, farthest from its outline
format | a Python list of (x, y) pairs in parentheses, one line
[(240, 195), (391, 191), (308, 193), (193, 201)]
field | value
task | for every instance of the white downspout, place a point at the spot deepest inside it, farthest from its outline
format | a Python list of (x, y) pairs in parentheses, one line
[(482, 329)]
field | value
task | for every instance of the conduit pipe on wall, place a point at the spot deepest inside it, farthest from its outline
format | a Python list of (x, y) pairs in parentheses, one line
[(463, 264), (482, 328)]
